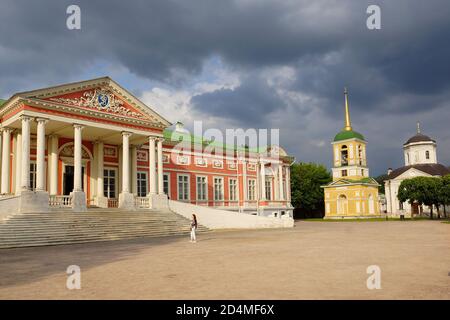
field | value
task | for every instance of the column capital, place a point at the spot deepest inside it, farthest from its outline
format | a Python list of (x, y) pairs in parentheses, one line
[(126, 134), (53, 135), (25, 118), (78, 126), (7, 129), (42, 120), (152, 138), (98, 141), (160, 139)]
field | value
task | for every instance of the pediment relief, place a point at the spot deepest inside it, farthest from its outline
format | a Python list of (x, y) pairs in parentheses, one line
[(100, 99)]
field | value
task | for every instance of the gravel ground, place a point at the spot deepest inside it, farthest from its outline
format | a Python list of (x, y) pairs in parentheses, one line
[(313, 260)]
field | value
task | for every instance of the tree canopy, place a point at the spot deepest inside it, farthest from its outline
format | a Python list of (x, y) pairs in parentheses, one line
[(306, 182)]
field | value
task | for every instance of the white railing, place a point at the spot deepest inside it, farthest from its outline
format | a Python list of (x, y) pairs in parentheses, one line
[(60, 201), (142, 202)]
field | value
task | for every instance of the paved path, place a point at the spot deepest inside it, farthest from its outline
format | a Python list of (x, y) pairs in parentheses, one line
[(313, 260)]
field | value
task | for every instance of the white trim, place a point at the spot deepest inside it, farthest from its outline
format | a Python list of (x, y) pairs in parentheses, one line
[(189, 186), (196, 188), (229, 189), (116, 181), (168, 182), (214, 189)]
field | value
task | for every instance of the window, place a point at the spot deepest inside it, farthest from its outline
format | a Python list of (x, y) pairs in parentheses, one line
[(251, 195), (362, 172), (400, 205), (233, 189), (269, 190), (166, 183), (218, 189), (202, 187), (109, 183), (141, 184), (344, 155), (427, 155), (344, 173), (360, 155), (183, 187), (33, 176)]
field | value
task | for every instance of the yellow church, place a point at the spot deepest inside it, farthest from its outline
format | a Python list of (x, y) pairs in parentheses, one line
[(352, 193)]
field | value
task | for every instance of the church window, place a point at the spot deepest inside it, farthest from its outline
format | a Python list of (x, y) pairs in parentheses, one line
[(344, 155), (427, 155), (360, 154), (344, 173)]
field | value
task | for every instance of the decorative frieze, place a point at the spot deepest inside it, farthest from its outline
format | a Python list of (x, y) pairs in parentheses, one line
[(101, 100)]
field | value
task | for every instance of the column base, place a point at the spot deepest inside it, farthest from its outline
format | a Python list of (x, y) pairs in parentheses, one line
[(126, 201), (79, 201), (33, 201), (159, 201), (102, 202)]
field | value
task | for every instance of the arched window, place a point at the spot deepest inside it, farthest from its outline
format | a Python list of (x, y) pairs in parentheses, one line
[(344, 155), (360, 156), (427, 155)]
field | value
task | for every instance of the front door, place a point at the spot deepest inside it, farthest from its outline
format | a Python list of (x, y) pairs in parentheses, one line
[(68, 178)]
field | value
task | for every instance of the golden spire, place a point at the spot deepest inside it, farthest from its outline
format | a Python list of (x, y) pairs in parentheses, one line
[(348, 125)]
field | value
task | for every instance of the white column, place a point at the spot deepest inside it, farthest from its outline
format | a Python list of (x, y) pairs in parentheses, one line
[(263, 182), (280, 182), (160, 167), (134, 170), (77, 186), (288, 184), (40, 155), (6, 145), (126, 162), (100, 168), (151, 159), (18, 161), (53, 164), (25, 185)]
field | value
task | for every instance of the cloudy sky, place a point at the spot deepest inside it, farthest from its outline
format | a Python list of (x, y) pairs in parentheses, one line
[(251, 64)]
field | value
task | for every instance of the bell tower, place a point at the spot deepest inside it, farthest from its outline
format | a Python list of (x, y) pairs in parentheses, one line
[(349, 150)]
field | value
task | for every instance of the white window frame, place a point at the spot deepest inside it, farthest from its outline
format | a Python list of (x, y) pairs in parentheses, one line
[(188, 189), (268, 190), (236, 191), (138, 185), (167, 174), (222, 189), (251, 189), (116, 181), (197, 191), (34, 174)]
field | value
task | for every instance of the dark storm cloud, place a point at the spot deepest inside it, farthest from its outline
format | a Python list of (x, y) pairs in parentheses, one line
[(397, 75)]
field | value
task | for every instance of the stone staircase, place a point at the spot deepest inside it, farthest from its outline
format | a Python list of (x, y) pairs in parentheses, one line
[(66, 227)]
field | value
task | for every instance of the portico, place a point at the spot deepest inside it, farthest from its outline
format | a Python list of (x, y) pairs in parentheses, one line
[(54, 155)]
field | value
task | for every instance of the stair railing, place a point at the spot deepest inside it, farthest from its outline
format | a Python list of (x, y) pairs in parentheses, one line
[(60, 201)]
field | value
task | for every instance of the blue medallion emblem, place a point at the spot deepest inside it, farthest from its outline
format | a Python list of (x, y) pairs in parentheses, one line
[(103, 100)]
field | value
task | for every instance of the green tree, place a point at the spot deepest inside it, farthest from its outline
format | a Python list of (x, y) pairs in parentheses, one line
[(306, 182), (380, 179), (421, 190), (445, 192)]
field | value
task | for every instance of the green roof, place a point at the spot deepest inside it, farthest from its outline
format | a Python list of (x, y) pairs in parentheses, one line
[(174, 136), (344, 135), (2, 101)]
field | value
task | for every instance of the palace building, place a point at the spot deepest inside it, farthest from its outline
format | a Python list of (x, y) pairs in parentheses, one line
[(93, 144), (352, 193)]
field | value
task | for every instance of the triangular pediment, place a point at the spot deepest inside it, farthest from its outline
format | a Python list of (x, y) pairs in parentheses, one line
[(101, 95), (412, 173)]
